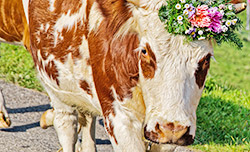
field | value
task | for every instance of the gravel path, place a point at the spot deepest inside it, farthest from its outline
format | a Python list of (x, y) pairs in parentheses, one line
[(25, 108)]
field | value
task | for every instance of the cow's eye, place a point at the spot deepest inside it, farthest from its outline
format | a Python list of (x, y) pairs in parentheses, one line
[(144, 51), (206, 62)]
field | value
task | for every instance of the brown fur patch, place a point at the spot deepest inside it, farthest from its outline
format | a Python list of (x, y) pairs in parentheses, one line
[(148, 63), (237, 1), (63, 6), (44, 39), (85, 86), (201, 72), (52, 72), (116, 12), (115, 66), (114, 61), (72, 37)]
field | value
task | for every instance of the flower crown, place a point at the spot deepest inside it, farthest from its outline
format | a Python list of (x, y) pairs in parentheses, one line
[(200, 20)]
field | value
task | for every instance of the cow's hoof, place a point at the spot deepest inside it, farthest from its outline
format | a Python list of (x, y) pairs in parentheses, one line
[(4, 121), (47, 119), (60, 150)]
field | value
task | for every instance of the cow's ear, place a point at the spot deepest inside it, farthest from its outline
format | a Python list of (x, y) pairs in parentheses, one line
[(239, 5), (236, 1)]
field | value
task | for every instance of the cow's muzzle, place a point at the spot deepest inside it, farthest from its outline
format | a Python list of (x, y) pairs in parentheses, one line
[(170, 133)]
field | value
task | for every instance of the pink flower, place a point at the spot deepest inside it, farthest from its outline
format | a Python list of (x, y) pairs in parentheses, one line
[(216, 18), (201, 17)]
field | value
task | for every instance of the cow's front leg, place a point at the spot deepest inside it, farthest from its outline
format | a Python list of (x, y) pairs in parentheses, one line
[(4, 117), (88, 132), (124, 130), (65, 124)]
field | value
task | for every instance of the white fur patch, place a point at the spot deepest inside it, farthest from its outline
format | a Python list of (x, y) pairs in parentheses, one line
[(152, 4), (95, 17), (14, 43), (67, 21), (51, 6), (26, 8)]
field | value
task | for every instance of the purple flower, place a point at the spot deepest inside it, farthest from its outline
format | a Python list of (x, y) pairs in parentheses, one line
[(216, 18), (192, 31), (190, 10)]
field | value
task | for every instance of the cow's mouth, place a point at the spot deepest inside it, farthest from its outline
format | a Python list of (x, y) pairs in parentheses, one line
[(179, 137)]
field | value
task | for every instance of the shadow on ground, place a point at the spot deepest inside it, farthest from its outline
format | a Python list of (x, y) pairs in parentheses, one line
[(22, 128), (40, 108)]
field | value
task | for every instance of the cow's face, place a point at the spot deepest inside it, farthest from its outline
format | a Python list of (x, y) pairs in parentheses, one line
[(172, 75)]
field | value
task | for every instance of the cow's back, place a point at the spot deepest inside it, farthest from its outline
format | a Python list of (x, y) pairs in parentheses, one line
[(59, 46)]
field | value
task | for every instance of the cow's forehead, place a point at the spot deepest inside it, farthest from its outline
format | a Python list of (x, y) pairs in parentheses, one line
[(152, 31)]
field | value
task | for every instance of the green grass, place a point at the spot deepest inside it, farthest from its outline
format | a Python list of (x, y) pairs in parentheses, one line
[(223, 119), (232, 66), (16, 66)]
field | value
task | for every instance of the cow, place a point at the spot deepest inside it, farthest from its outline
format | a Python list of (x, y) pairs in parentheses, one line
[(13, 30), (114, 58)]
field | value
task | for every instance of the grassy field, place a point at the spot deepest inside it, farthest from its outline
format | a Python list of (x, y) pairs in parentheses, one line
[(232, 67), (16, 66), (224, 111)]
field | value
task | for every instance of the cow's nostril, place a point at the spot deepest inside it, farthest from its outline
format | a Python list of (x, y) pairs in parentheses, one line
[(150, 135), (169, 133), (186, 139)]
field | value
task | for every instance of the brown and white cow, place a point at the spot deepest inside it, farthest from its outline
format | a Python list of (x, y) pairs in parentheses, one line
[(114, 58), (13, 30)]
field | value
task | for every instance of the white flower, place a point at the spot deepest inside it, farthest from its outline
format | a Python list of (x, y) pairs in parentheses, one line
[(234, 21), (228, 23), (187, 31), (180, 18), (200, 32), (208, 30), (224, 28), (230, 7), (186, 6), (201, 38), (180, 22), (222, 12), (221, 6), (185, 12), (183, 1), (178, 6)]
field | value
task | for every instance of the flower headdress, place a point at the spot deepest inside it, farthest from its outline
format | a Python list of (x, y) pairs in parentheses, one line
[(200, 20)]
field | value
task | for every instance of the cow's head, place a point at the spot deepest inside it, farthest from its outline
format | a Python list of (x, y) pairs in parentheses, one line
[(172, 76)]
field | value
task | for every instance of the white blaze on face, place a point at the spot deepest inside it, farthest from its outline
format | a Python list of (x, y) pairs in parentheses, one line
[(172, 95)]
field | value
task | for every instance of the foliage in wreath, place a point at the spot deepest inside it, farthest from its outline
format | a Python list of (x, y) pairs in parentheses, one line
[(200, 20)]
